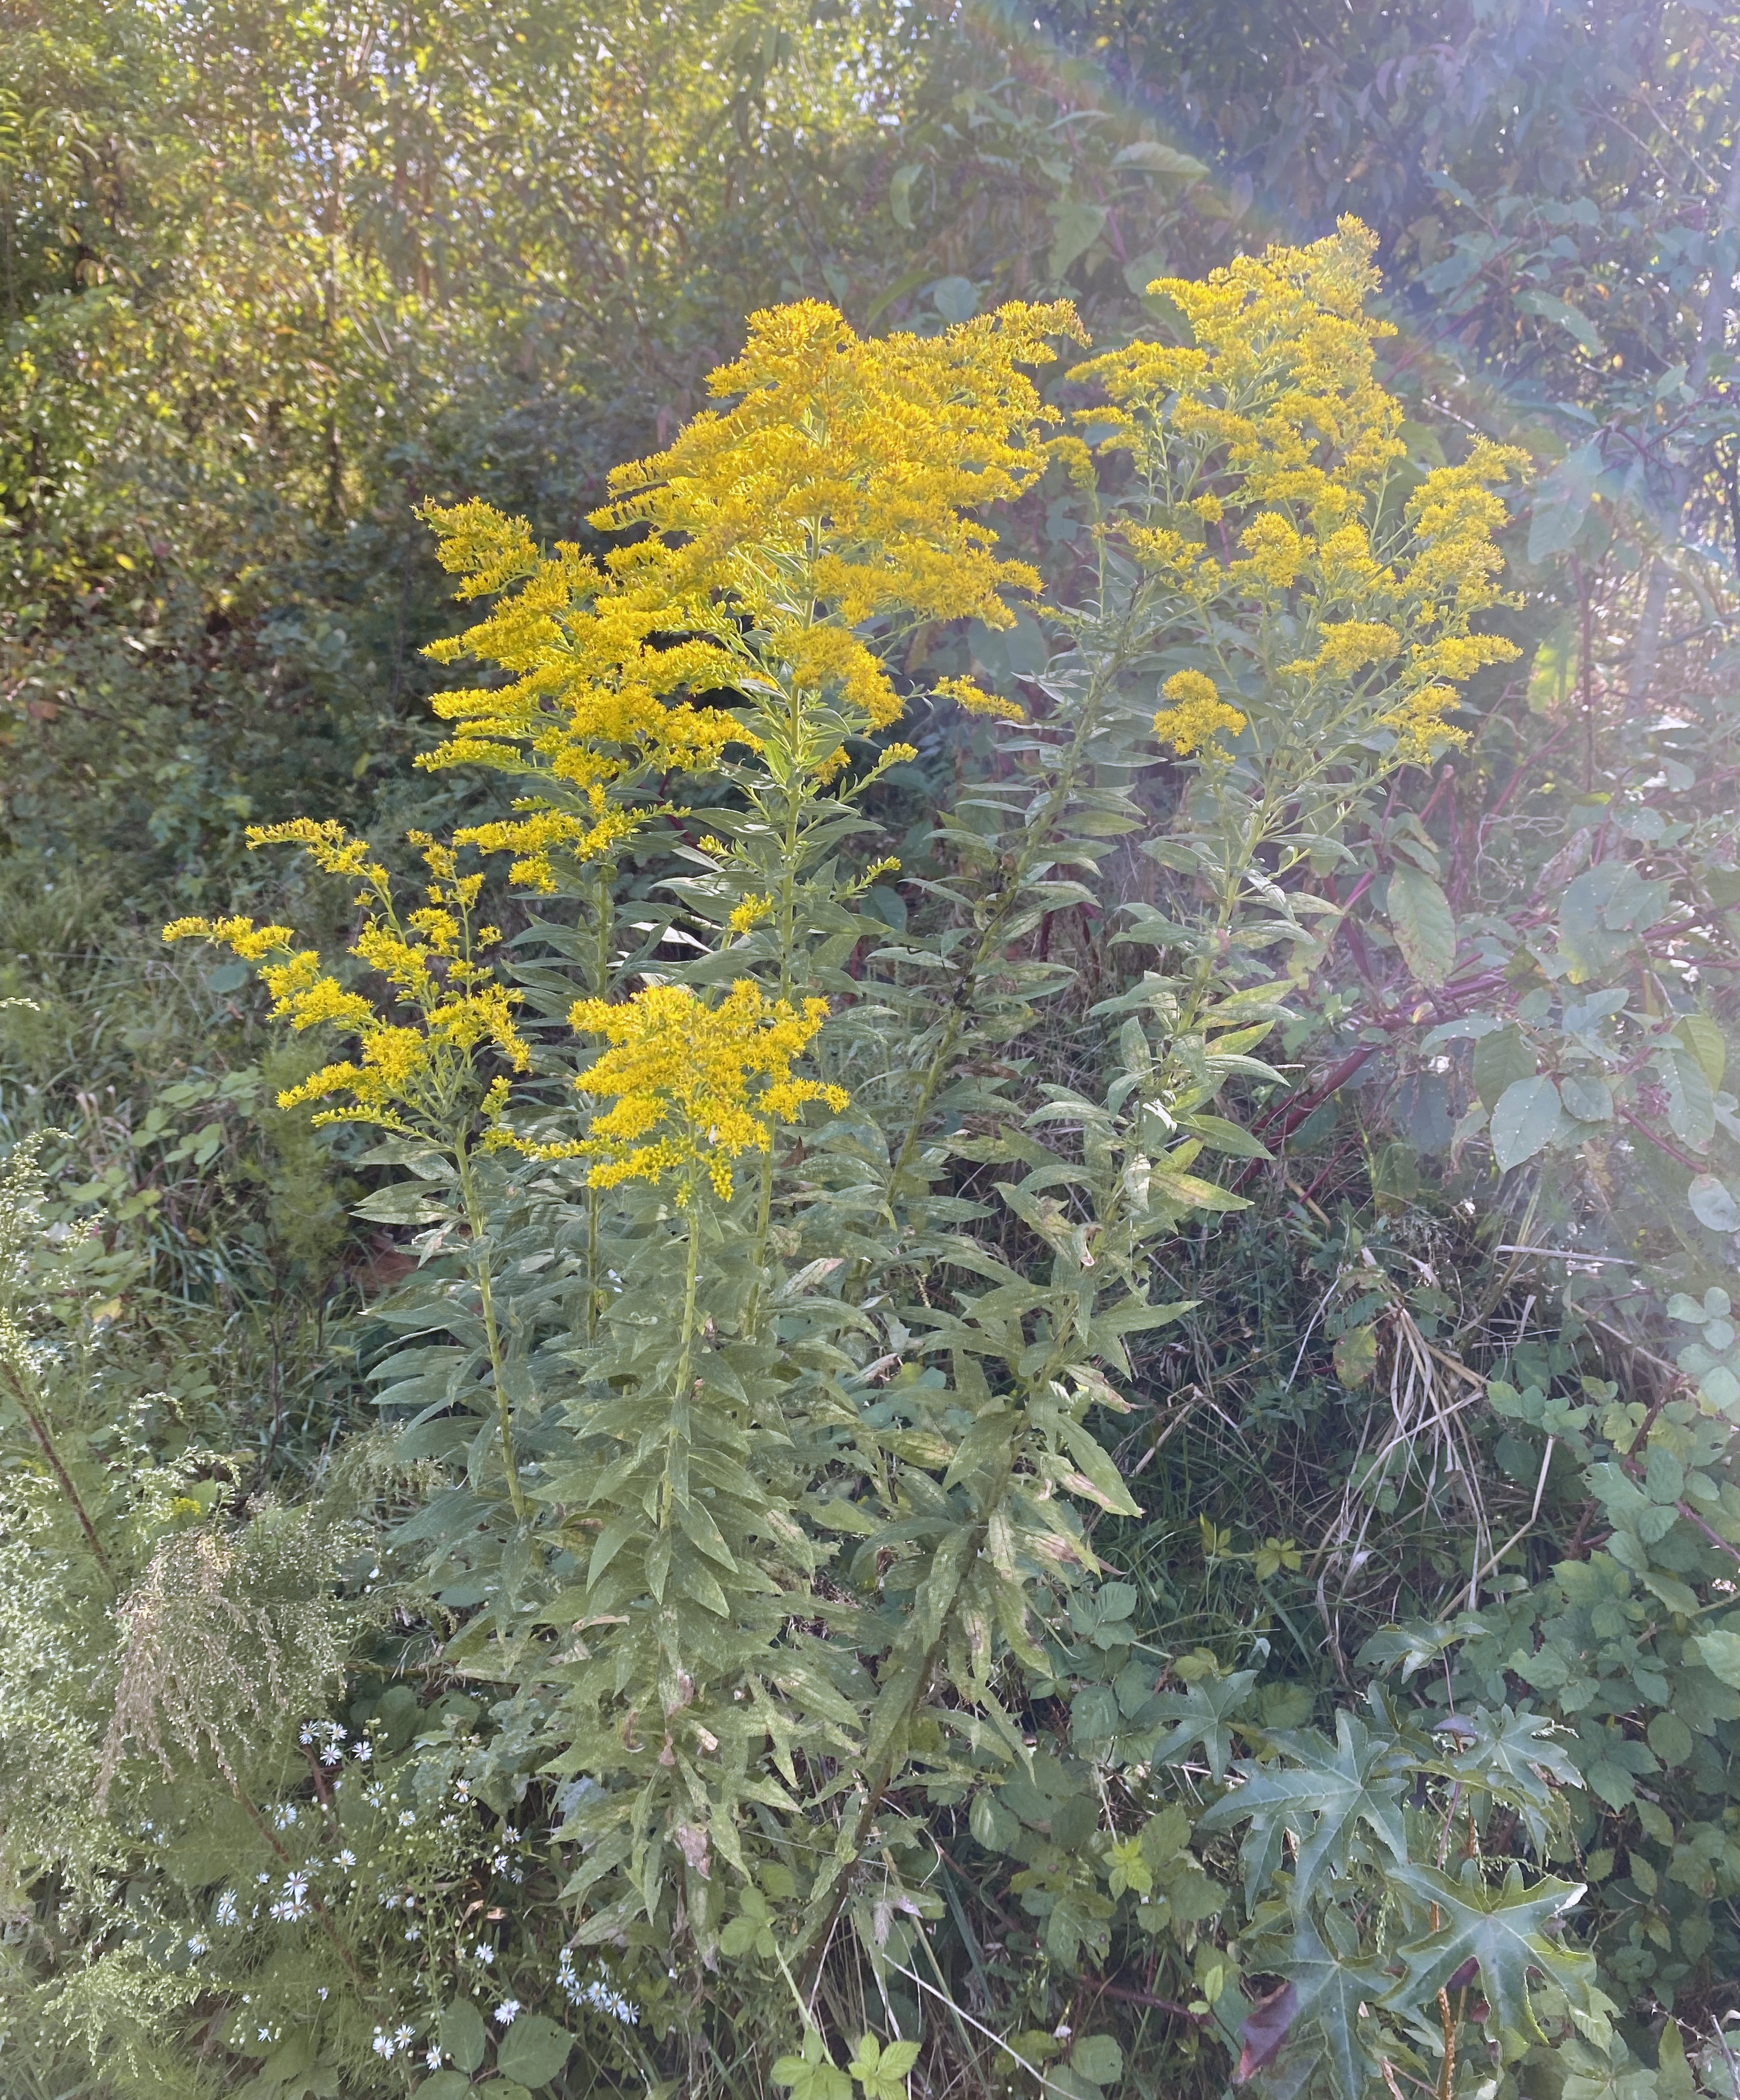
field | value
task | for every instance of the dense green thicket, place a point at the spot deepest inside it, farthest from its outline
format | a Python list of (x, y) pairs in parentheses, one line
[(1439, 1428)]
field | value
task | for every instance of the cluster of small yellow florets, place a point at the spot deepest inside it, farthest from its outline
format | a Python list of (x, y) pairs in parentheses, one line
[(836, 489), (413, 1077), (1197, 716), (692, 1086), (1271, 429)]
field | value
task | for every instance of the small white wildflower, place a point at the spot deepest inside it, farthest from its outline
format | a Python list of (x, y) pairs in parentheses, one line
[(265, 2034), (484, 1953), (510, 1835), (500, 1863), (407, 1817), (346, 1858), (263, 1877), (321, 1993), (434, 2058), (196, 1946), (506, 2011), (382, 2043), (284, 1816), (403, 2036), (332, 1755), (225, 1912), (362, 1751), (306, 1736)]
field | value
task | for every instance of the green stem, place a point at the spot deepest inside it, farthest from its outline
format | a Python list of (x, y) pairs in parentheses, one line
[(39, 1430), (686, 1347), (504, 1411)]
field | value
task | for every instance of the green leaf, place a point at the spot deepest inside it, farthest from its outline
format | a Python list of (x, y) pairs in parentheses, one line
[(1203, 1715), (1586, 1098), (1525, 1121), (880, 2072), (1503, 1930), (1712, 1205), (1562, 500), (1154, 158), (1691, 1106), (1500, 1059), (1321, 1792), (813, 2075), (1098, 2059), (533, 2049), (1424, 925), (1332, 1994), (463, 2035), (1705, 1040), (445, 2085), (1719, 1654)]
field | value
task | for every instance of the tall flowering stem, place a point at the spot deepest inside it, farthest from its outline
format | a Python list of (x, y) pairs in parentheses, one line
[(418, 1071)]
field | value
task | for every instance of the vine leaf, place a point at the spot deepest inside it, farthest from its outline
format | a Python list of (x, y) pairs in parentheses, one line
[(1320, 1792), (1330, 1992), (1502, 1929)]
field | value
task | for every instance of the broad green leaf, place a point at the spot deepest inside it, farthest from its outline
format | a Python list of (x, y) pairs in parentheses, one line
[(533, 2049), (1712, 1204), (445, 2085), (1702, 1036), (1503, 1930), (1154, 158), (813, 2075), (463, 2034), (1525, 1121), (1562, 500), (1425, 928), (1586, 1098), (1331, 1995), (1203, 1715), (1719, 1654), (1691, 1106), (1501, 1058), (1098, 2059)]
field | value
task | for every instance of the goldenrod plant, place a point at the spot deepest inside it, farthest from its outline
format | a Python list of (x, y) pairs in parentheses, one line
[(744, 1487)]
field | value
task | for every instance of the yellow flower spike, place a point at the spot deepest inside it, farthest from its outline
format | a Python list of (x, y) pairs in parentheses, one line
[(1196, 714), (965, 694), (692, 1086)]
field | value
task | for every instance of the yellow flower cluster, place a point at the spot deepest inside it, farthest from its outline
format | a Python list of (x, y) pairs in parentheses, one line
[(977, 701), (1272, 428), (412, 1078), (835, 489), (1196, 716), (591, 709), (692, 1085)]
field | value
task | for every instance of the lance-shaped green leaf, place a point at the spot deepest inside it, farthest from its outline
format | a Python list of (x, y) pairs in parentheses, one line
[(1503, 1931)]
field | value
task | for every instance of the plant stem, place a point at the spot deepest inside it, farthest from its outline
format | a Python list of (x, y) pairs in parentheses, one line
[(504, 1411), (39, 1430), (686, 1347)]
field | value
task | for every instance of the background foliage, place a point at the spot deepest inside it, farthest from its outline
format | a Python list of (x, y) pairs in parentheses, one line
[(1442, 1433)]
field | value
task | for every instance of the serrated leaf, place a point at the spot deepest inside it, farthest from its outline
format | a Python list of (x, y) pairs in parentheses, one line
[(1320, 1791), (1525, 1121), (1719, 1654), (463, 2035), (533, 2049), (1425, 928)]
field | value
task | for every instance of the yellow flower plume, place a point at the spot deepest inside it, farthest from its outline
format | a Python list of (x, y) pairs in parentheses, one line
[(1196, 716), (412, 1077), (692, 1086)]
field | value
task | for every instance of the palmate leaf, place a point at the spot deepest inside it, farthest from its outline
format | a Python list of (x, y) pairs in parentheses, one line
[(1321, 1791), (1203, 1716), (1502, 1930), (1330, 1994)]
